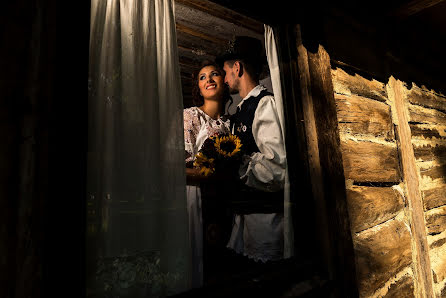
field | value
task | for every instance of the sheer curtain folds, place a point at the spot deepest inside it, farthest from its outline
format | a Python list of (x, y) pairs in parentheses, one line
[(273, 63), (136, 177)]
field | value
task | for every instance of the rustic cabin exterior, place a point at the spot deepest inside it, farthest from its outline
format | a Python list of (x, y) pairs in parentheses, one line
[(365, 108)]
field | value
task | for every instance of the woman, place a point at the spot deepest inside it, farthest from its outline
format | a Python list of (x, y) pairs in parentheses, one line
[(200, 122)]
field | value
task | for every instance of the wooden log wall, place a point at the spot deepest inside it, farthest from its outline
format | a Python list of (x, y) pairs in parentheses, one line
[(375, 196), (382, 196), (427, 120)]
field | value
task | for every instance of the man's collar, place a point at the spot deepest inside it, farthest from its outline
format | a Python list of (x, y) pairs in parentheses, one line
[(254, 92)]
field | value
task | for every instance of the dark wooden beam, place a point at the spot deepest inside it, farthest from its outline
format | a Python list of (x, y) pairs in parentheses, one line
[(223, 13), (188, 65), (196, 53), (413, 7), (199, 44), (184, 29), (326, 165)]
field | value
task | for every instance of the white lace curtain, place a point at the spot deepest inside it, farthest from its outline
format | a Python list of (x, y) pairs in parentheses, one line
[(136, 175), (273, 63)]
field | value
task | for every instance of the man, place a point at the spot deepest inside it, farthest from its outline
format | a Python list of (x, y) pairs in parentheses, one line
[(256, 233)]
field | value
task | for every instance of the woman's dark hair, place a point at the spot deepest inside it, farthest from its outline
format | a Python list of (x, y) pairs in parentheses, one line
[(196, 96)]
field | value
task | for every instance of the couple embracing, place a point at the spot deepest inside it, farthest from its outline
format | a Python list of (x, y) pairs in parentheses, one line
[(257, 234)]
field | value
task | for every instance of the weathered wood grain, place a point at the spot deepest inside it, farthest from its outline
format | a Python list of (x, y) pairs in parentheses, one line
[(370, 162), (330, 156), (434, 197), (412, 7), (198, 44), (438, 260), (370, 206), (423, 272), (420, 131), (427, 99), (437, 243), (194, 54), (403, 287), (360, 115), (420, 114), (343, 83), (436, 220), (430, 153), (224, 13), (437, 172), (193, 32), (381, 253)]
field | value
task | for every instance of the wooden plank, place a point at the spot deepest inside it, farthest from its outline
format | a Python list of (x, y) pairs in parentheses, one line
[(370, 162), (370, 206), (184, 29), (198, 44), (312, 144), (381, 253), (427, 99), (187, 68), (422, 266), (439, 270), (403, 287), (434, 197), (192, 63), (224, 13), (360, 115), (210, 25), (436, 220), (413, 7), (324, 105), (346, 84), (430, 153), (297, 156), (427, 132), (437, 243), (418, 114), (194, 54), (436, 172)]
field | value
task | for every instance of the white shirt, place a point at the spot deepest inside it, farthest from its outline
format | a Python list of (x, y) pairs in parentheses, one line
[(265, 170), (260, 236)]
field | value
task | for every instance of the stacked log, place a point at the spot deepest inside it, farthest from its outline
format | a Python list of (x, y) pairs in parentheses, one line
[(427, 114), (375, 192)]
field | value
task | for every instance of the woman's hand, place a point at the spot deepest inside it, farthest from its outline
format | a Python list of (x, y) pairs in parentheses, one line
[(193, 176)]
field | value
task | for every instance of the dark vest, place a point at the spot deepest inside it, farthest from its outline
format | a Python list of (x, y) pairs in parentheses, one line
[(249, 200), (242, 121)]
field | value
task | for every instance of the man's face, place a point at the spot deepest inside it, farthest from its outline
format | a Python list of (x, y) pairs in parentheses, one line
[(231, 78)]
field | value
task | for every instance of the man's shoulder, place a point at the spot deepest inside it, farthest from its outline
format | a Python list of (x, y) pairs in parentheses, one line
[(265, 96)]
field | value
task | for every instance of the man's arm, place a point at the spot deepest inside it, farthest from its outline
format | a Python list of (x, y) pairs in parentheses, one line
[(265, 170)]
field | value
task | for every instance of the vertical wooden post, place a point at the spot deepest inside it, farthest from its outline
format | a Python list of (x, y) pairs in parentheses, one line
[(325, 165), (330, 156), (423, 272), (315, 162), (313, 150)]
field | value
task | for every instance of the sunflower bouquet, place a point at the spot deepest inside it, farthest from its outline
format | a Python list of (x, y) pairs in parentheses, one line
[(219, 153)]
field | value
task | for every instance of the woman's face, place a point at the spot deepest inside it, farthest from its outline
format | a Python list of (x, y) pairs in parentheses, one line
[(211, 83)]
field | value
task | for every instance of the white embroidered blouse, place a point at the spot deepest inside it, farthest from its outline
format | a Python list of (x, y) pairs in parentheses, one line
[(198, 126)]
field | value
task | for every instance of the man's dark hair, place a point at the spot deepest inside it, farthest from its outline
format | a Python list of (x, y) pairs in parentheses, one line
[(254, 70), (198, 99)]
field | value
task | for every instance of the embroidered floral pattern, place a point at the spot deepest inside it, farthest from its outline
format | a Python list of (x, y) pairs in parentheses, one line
[(195, 120)]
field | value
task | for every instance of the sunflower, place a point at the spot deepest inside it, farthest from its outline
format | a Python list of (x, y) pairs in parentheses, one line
[(205, 164), (228, 146)]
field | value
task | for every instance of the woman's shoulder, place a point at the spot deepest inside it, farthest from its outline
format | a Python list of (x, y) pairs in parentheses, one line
[(190, 112), (191, 117)]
